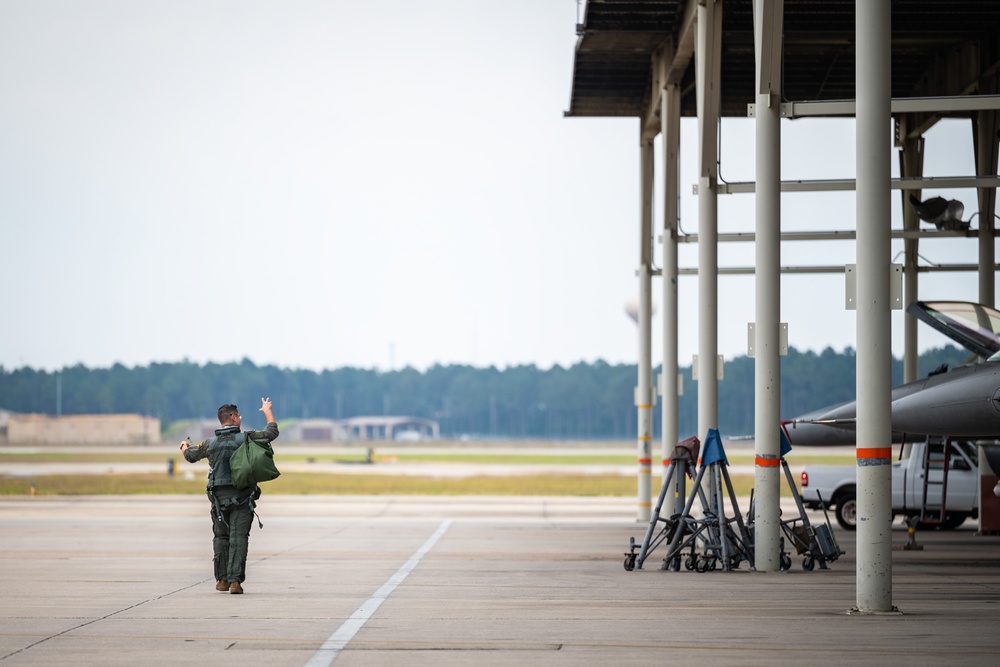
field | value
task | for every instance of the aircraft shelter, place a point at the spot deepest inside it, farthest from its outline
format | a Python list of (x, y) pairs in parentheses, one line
[(914, 61)]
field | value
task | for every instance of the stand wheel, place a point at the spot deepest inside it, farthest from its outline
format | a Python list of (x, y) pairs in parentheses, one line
[(808, 563), (786, 563), (629, 562), (675, 564), (689, 563)]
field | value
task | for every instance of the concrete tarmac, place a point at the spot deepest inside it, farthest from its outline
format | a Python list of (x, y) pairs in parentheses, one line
[(455, 581)]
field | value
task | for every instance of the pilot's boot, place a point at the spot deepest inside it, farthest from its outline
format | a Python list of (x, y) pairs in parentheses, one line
[(222, 585), (235, 588)]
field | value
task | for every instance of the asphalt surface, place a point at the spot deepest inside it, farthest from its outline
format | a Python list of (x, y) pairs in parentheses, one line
[(455, 581)]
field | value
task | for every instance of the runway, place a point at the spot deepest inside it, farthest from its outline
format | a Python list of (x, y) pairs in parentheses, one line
[(127, 580)]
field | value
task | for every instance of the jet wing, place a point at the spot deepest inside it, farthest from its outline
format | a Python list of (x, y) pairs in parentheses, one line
[(961, 402)]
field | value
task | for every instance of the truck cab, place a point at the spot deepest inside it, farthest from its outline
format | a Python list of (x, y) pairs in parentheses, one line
[(912, 497)]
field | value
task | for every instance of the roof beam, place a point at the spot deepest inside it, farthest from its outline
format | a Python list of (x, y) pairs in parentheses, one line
[(749, 270), (670, 63), (841, 235), (849, 184), (963, 103), (684, 49)]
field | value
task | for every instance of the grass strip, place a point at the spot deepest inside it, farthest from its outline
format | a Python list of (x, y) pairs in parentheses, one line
[(332, 484)]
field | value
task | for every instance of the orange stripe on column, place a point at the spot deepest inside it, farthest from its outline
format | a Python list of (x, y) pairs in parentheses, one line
[(874, 452), (766, 462), (874, 456)]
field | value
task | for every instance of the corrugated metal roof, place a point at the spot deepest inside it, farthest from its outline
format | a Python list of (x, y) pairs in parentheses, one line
[(939, 47)]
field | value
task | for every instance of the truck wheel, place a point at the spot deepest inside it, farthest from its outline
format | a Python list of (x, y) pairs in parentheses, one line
[(847, 511)]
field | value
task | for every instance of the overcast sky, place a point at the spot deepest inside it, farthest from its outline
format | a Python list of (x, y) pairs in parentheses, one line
[(318, 184)]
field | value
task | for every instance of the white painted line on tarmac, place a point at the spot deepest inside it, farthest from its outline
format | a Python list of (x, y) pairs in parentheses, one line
[(332, 647)]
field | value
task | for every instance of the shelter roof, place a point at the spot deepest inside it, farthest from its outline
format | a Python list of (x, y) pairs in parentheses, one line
[(939, 48)]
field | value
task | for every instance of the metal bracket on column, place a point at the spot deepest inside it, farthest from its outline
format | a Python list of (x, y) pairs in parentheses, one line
[(719, 373), (782, 339), (661, 384), (895, 287), (851, 287)]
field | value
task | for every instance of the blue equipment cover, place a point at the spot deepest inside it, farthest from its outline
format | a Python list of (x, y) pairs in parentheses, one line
[(713, 451)]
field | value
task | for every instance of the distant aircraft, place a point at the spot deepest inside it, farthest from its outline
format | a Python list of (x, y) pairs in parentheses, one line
[(963, 402)]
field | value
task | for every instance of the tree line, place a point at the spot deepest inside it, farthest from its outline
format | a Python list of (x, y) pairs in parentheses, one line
[(582, 401)]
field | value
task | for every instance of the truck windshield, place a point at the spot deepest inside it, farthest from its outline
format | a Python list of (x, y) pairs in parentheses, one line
[(971, 451), (963, 453)]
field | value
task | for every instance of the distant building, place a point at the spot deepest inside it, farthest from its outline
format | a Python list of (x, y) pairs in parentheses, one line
[(335, 430), (391, 428), (202, 429), (359, 428), (82, 429), (315, 430), (303, 430)]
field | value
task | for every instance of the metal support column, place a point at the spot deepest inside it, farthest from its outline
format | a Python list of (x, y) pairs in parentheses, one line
[(707, 82), (768, 17), (985, 130), (874, 351), (670, 132), (911, 164), (644, 391)]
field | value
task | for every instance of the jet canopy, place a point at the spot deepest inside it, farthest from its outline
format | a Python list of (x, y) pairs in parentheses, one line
[(972, 325)]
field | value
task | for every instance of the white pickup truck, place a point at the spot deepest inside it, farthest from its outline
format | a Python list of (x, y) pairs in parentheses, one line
[(837, 485)]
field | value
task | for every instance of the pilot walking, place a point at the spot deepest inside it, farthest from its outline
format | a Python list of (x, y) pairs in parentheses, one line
[(232, 508)]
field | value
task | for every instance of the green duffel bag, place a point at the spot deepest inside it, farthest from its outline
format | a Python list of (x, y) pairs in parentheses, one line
[(252, 463)]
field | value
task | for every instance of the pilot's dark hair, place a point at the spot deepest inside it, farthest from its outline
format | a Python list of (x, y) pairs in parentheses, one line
[(226, 413)]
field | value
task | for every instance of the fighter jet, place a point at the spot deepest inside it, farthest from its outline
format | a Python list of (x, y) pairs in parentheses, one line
[(962, 402)]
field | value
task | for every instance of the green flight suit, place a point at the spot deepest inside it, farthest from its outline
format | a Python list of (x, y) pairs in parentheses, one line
[(232, 508)]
